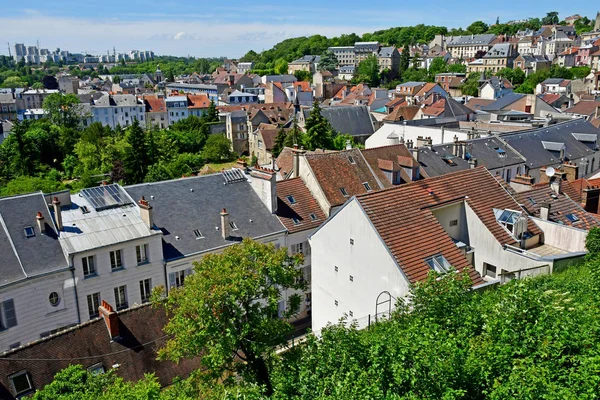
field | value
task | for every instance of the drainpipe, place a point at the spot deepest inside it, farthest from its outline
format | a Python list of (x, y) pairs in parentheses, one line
[(72, 268), (166, 278)]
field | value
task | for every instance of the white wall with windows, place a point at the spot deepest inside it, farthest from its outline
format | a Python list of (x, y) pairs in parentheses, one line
[(35, 308), (118, 274)]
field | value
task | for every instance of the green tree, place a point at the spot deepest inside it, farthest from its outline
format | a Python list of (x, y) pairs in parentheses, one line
[(319, 133), (329, 62), (63, 110), (457, 68), (551, 18), (116, 79), (136, 154), (217, 149), (212, 114), (404, 60), (228, 310), (438, 66), (170, 76), (14, 82), (37, 86), (471, 85), (477, 28), (368, 71), (202, 66), (279, 142), (281, 66)]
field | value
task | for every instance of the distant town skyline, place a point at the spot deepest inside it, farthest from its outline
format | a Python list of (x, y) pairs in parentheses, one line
[(231, 29)]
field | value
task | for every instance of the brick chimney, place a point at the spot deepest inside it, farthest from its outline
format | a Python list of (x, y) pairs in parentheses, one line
[(111, 319), (224, 224), (455, 146), (40, 222), (571, 170), (146, 212), (590, 199), (264, 184), (556, 185), (57, 213)]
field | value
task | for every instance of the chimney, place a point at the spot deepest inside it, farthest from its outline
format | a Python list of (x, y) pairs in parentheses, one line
[(225, 224), (545, 211), (464, 151), (455, 146), (297, 153), (264, 184), (40, 222), (473, 163), (556, 184), (349, 145), (415, 153), (590, 198), (571, 170), (57, 213), (146, 212), (111, 319)]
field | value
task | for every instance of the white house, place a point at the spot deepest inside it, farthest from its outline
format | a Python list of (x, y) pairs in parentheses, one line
[(390, 134), (119, 109), (380, 243), (177, 108)]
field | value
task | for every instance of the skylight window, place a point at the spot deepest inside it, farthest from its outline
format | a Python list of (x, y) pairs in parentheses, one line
[(291, 199), (296, 221), (351, 160), (29, 232), (84, 210), (532, 201), (198, 234), (344, 192), (438, 263), (572, 217), (233, 226), (367, 187), (313, 217)]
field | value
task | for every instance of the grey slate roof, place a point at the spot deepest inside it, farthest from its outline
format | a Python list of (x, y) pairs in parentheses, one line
[(353, 120), (386, 51), (502, 102), (530, 143), (178, 211), (552, 81), (22, 257), (121, 100), (347, 69), (499, 50), (467, 40)]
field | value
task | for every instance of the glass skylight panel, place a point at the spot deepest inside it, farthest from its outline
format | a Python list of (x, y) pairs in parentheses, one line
[(29, 232), (572, 217), (291, 199)]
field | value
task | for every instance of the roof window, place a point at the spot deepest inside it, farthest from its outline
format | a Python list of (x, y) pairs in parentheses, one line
[(29, 231), (233, 226), (438, 263), (296, 221), (351, 160), (344, 192), (572, 217), (313, 217), (198, 234), (84, 210), (367, 187), (291, 199)]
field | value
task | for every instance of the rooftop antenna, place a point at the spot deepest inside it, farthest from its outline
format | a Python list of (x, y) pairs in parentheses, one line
[(550, 171)]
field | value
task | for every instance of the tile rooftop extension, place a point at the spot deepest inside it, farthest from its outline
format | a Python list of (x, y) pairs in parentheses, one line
[(402, 113), (562, 208), (184, 205), (303, 209), (502, 102), (397, 155), (198, 101), (476, 103), (23, 257), (342, 169), (529, 143), (584, 107), (155, 104), (141, 334), (402, 215)]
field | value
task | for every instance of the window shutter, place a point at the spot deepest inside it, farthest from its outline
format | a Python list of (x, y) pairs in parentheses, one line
[(9, 313), (172, 282)]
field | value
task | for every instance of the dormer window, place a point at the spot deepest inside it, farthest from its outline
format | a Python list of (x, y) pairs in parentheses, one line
[(29, 231), (438, 263), (291, 199)]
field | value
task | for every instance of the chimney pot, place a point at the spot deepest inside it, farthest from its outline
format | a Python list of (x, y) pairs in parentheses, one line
[(40, 222), (225, 224), (57, 213)]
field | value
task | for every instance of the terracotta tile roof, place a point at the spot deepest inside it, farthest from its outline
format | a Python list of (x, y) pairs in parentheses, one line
[(426, 89), (392, 158), (596, 122), (223, 78), (155, 104), (585, 107), (404, 219), (285, 162), (251, 107), (476, 103), (198, 101), (395, 102), (577, 187), (565, 83), (561, 206), (305, 86), (305, 210), (403, 216), (268, 135), (550, 97), (569, 51), (406, 113), (345, 169)]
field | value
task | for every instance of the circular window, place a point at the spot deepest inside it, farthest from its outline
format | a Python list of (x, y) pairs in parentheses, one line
[(54, 299)]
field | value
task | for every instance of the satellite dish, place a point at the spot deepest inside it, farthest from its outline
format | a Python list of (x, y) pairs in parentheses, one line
[(550, 172)]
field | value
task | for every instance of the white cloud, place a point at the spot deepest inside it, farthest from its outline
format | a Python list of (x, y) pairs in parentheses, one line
[(202, 38)]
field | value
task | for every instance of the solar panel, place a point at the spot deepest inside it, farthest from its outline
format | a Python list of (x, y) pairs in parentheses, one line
[(106, 196), (233, 175)]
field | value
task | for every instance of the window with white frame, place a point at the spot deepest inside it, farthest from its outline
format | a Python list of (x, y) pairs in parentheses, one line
[(21, 383), (121, 297), (141, 253), (8, 315), (93, 301), (89, 266), (179, 278), (116, 260), (96, 369), (145, 290), (438, 263)]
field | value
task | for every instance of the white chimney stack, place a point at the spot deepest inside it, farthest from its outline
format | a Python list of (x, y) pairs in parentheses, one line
[(40, 222), (224, 224), (57, 213)]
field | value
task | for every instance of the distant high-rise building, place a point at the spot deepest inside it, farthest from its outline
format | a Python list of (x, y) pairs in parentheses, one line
[(20, 52)]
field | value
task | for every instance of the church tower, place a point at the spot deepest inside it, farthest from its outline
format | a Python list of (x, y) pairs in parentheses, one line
[(597, 24), (158, 75)]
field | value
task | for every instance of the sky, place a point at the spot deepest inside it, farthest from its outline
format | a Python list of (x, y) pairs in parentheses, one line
[(232, 27)]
